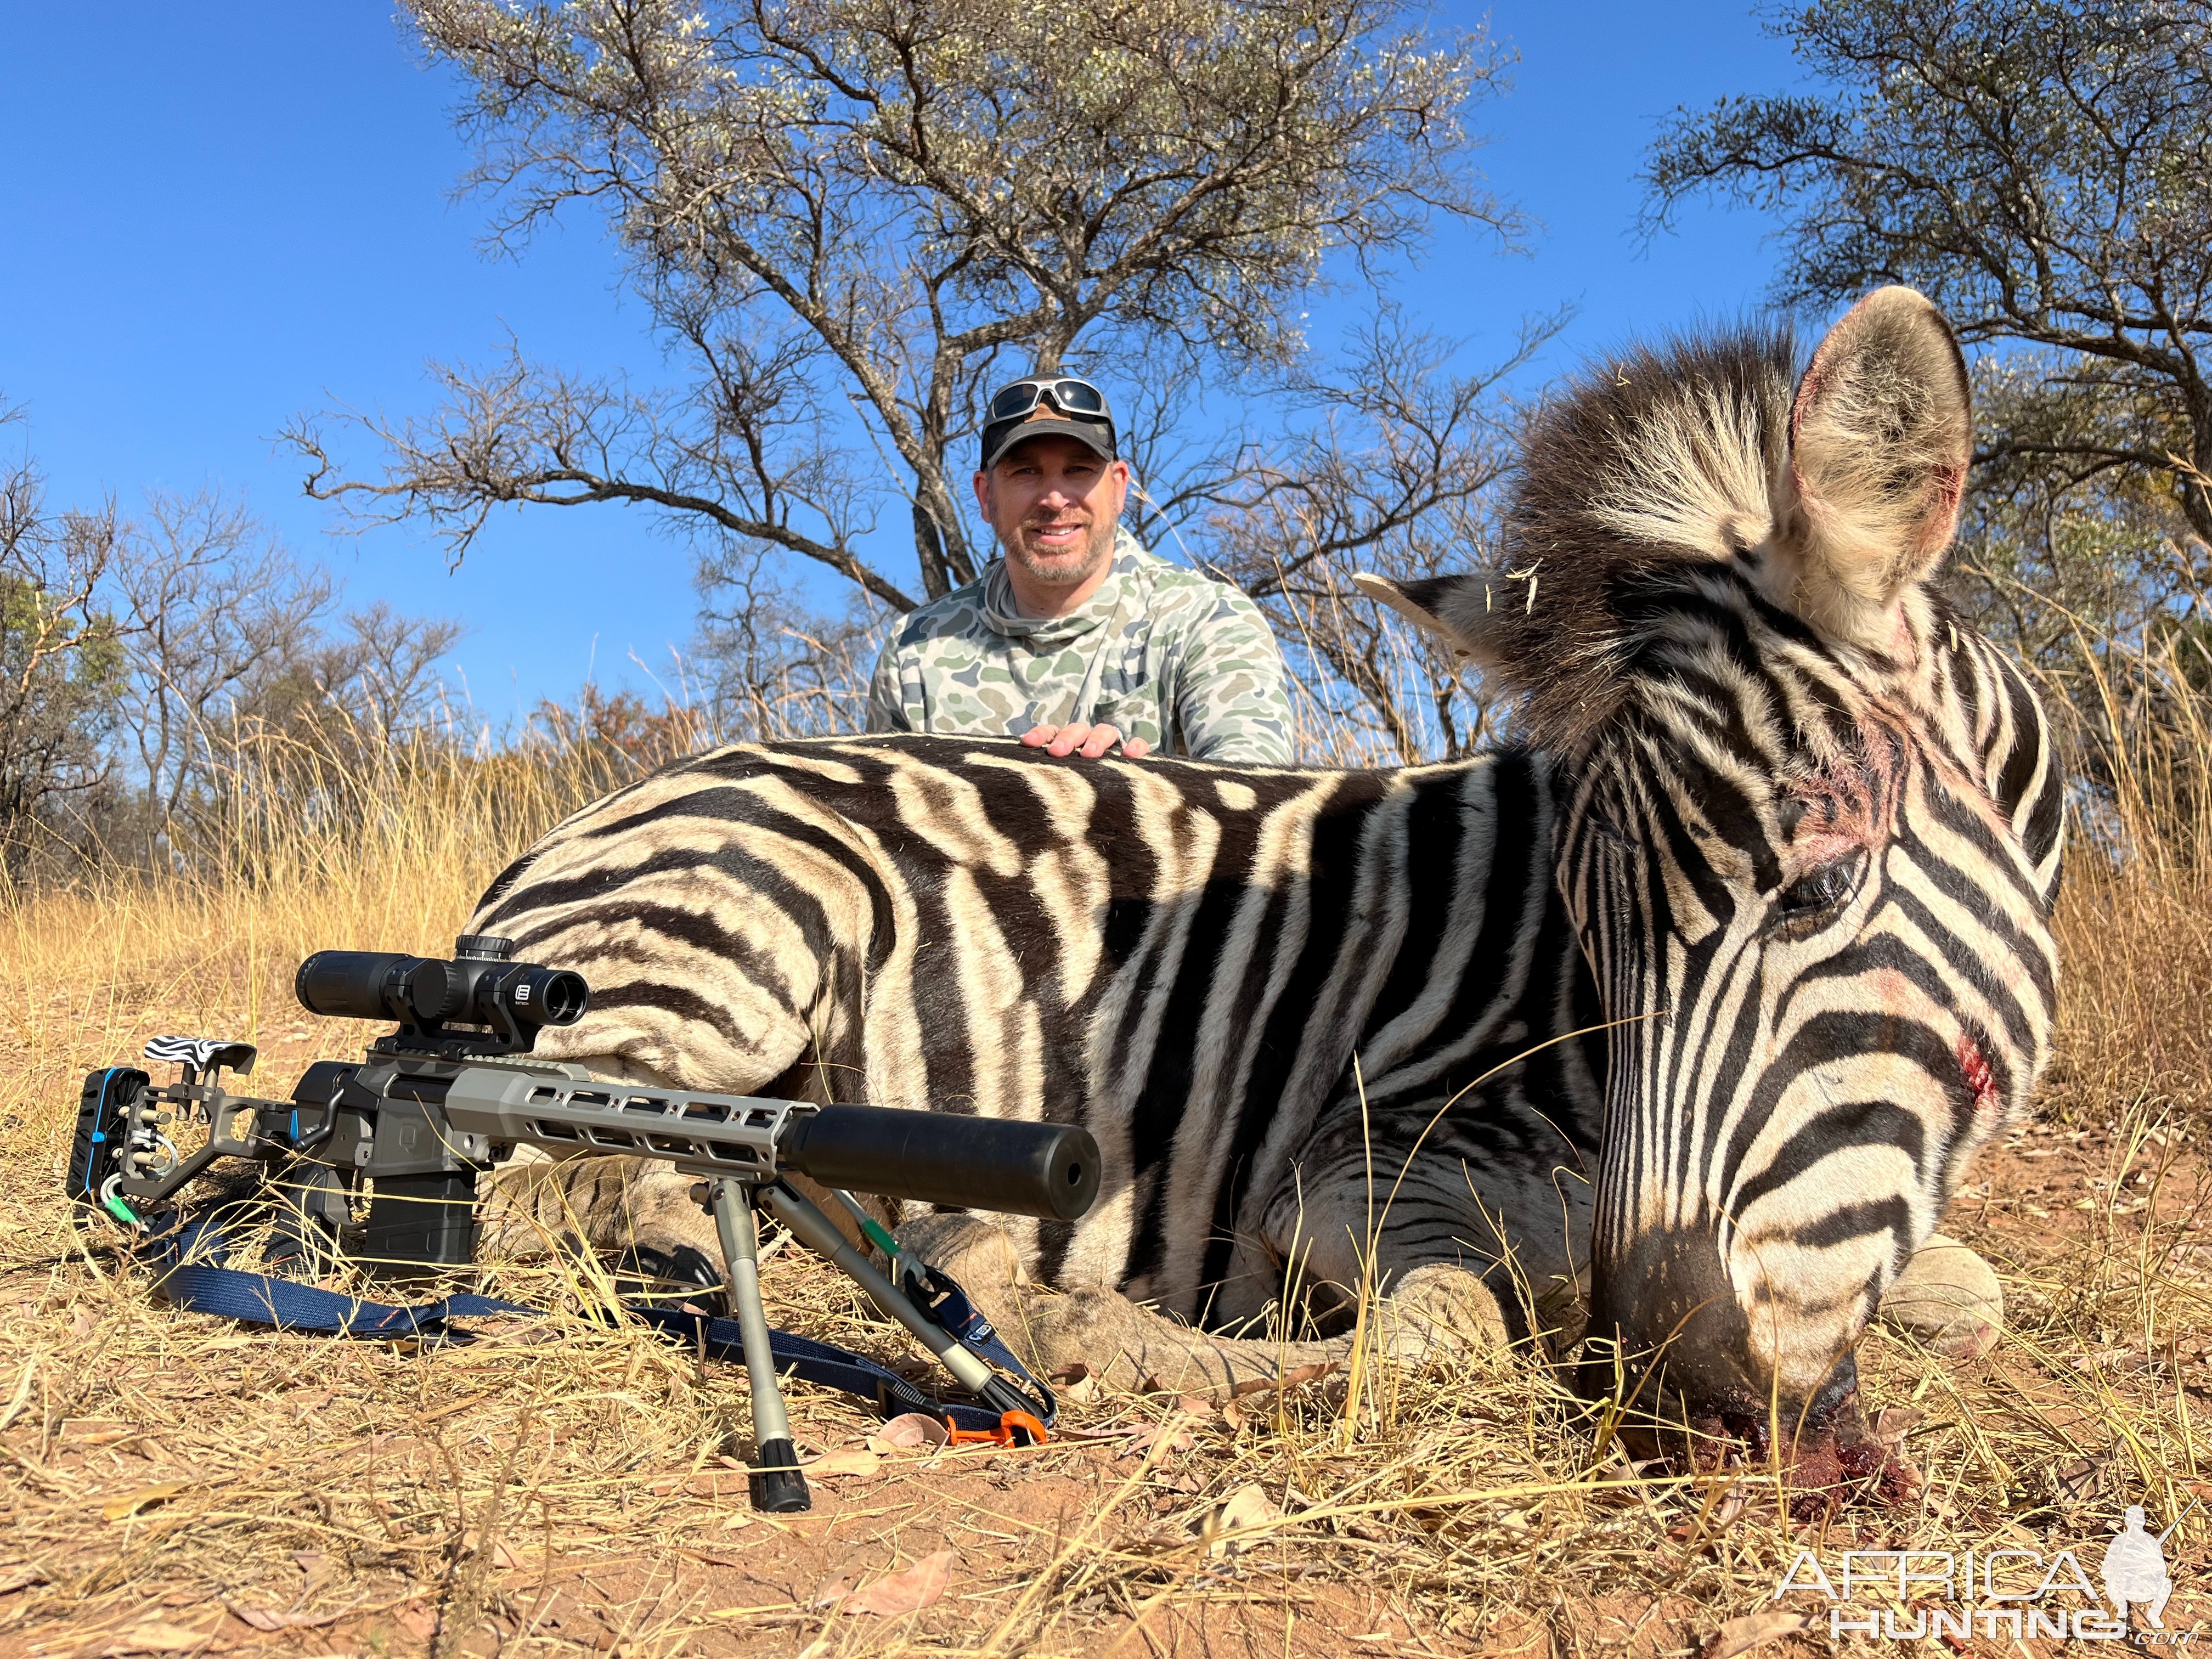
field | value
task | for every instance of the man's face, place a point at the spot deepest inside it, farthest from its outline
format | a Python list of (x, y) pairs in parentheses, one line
[(1055, 503)]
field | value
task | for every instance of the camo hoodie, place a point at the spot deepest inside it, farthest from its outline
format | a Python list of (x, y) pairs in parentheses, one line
[(1182, 660)]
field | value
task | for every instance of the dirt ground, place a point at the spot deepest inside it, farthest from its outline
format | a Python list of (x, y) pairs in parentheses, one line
[(174, 1483)]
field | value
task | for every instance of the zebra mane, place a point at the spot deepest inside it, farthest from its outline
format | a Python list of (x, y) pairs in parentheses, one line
[(1651, 467), (1710, 480)]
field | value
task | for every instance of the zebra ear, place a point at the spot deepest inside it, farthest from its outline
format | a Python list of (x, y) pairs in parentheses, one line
[(1880, 437), (1456, 607)]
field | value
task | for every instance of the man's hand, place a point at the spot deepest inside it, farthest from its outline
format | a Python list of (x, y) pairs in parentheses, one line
[(1089, 741)]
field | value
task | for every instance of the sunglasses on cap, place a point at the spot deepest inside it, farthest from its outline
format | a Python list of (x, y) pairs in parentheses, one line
[(1065, 393)]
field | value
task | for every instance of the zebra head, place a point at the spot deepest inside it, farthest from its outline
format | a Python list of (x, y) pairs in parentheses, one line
[(1811, 844)]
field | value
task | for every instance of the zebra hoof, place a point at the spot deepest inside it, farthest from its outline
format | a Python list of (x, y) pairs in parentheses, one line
[(1948, 1298), (1440, 1312)]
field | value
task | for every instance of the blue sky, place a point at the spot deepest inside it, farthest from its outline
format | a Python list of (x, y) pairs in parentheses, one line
[(218, 216)]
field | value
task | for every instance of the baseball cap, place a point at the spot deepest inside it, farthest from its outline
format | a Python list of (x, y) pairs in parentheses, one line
[(1047, 406)]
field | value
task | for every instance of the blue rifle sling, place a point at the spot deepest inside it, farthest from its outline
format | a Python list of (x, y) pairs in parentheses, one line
[(187, 1258)]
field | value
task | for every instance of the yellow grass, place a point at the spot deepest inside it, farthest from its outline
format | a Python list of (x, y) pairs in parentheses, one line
[(566, 1487)]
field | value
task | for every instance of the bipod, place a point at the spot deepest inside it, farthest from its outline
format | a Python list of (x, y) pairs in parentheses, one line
[(778, 1487)]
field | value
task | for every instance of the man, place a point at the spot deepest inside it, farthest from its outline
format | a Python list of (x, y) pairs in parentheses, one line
[(1078, 638)]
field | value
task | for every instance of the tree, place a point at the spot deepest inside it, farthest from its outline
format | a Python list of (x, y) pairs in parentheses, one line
[(60, 658), (2040, 168), (860, 213), (216, 607), (771, 669), (1392, 471)]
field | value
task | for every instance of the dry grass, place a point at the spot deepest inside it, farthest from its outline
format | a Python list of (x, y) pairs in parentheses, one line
[(172, 1483)]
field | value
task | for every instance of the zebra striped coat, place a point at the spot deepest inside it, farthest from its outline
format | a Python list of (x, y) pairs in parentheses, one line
[(1698, 1004), (1186, 959)]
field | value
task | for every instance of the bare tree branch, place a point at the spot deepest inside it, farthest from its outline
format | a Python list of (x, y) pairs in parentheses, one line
[(2041, 169), (844, 212), (1390, 465)]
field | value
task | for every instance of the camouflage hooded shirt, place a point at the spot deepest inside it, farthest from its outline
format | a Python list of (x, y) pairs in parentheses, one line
[(1161, 653)]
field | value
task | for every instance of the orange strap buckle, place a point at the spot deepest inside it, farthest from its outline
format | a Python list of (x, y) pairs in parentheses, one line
[(1010, 1425)]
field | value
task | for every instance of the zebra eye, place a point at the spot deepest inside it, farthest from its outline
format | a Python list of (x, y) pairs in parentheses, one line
[(1817, 893)]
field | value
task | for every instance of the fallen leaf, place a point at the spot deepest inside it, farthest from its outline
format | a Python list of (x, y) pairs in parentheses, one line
[(1247, 1506), (1193, 1405), (909, 1433), (155, 1637), (1891, 1423), (739, 1519), (80, 1323), (420, 1623), (1072, 1373), (1080, 1392), (501, 1555), (2078, 1480), (1753, 1630), (1297, 1378), (122, 1508), (920, 1586), (846, 1460), (1167, 1437), (92, 1431), (830, 1590)]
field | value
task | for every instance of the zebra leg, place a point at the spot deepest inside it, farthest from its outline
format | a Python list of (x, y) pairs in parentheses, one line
[(1948, 1297), (1434, 1313), (1124, 1343), (1426, 1306)]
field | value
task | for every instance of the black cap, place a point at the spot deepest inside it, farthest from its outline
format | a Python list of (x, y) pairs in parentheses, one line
[(1045, 422)]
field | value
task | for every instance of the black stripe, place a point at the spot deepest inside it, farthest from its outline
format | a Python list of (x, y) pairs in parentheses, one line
[(1834, 1129), (1338, 863), (1161, 1106)]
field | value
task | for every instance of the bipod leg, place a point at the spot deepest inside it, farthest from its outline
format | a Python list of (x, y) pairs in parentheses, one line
[(819, 1234), (778, 1487)]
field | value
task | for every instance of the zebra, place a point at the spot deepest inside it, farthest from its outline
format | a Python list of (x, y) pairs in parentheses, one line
[(1671, 1023)]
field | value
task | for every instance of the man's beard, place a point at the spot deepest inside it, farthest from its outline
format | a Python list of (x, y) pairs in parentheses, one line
[(1065, 568)]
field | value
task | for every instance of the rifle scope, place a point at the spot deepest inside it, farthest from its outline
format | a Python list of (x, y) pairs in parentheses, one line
[(479, 986)]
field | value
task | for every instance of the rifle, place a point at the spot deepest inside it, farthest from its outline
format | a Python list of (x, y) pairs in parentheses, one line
[(382, 1158)]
